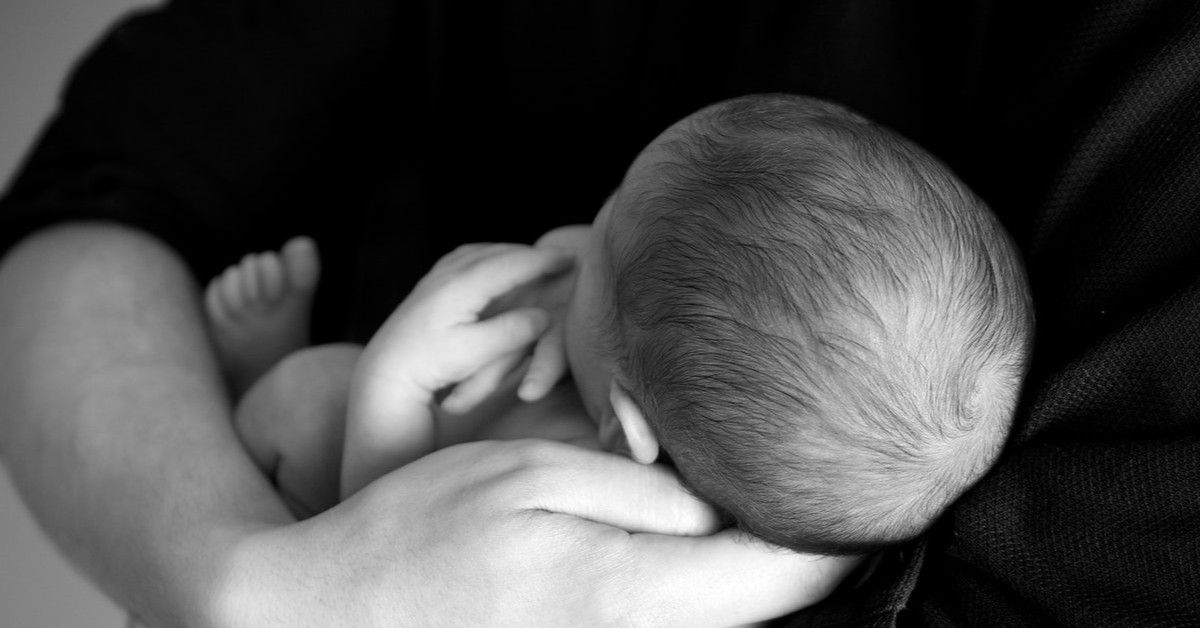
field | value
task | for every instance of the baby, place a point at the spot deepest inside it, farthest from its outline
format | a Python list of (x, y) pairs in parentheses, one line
[(809, 316)]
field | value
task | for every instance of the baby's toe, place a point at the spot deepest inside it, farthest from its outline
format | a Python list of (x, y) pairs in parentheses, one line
[(248, 271), (230, 291), (214, 301), (271, 281), (301, 264)]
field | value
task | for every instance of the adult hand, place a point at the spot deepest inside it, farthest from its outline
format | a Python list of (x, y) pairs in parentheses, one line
[(517, 533)]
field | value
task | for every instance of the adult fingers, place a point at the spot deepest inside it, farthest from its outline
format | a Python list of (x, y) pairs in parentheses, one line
[(615, 491), (731, 578)]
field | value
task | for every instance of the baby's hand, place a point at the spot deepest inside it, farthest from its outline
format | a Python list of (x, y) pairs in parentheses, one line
[(549, 362), (440, 335)]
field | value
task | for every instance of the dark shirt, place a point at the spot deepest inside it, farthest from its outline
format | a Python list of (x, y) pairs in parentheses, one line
[(393, 131)]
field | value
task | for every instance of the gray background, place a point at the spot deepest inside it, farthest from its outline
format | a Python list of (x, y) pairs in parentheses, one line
[(39, 41)]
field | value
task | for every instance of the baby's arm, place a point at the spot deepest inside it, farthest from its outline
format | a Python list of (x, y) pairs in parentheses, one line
[(440, 336), (292, 421)]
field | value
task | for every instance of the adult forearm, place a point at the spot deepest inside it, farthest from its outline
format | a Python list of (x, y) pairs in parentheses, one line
[(113, 421)]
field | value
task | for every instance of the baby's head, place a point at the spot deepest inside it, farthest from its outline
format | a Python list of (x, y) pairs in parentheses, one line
[(820, 325)]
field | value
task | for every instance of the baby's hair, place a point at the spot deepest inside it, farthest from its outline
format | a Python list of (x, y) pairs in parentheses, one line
[(825, 328)]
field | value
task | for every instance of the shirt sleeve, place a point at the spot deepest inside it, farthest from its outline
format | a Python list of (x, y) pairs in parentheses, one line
[(220, 125)]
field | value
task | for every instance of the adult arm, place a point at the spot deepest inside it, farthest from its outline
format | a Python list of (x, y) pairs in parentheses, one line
[(185, 122), (115, 424)]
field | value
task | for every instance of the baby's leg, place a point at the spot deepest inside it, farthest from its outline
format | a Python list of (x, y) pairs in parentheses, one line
[(292, 422), (292, 401), (258, 310)]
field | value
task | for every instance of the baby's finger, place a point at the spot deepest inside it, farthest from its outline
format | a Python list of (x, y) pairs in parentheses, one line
[(548, 365), (494, 276), (568, 237), (466, 255), (489, 340), (480, 385)]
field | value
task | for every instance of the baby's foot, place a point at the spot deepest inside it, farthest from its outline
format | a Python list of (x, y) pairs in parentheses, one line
[(258, 310)]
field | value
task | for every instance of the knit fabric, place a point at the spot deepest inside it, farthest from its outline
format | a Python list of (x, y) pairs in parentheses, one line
[(1091, 516)]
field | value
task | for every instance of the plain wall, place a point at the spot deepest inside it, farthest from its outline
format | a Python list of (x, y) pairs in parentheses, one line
[(39, 41)]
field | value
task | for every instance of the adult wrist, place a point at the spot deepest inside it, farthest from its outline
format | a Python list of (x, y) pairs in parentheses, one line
[(259, 586)]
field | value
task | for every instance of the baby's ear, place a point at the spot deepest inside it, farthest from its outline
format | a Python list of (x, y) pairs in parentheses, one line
[(643, 445)]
